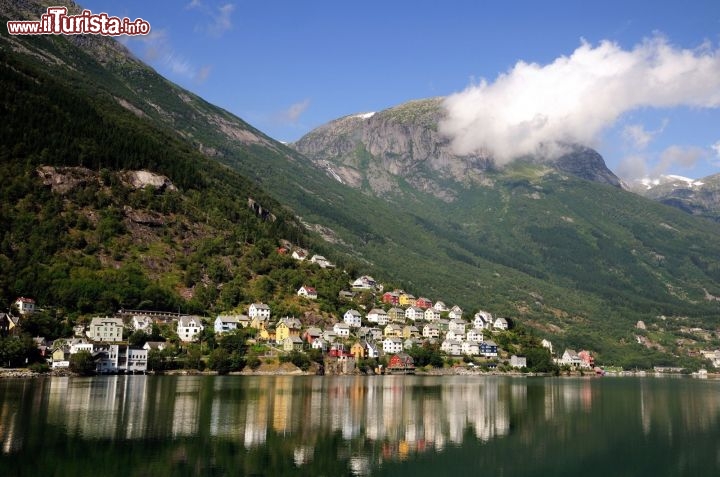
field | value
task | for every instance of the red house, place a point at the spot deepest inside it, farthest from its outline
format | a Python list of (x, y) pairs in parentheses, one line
[(423, 303), (401, 363), (392, 298)]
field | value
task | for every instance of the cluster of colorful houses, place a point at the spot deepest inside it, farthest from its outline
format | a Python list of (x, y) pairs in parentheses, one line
[(398, 322)]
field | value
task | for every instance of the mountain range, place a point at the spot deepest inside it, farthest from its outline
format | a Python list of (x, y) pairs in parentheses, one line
[(556, 245)]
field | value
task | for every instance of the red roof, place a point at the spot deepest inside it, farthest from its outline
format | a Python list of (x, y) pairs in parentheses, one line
[(25, 300)]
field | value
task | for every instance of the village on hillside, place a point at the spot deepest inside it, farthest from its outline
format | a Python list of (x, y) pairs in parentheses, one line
[(381, 338)]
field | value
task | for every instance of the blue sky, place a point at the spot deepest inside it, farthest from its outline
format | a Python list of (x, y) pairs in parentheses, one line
[(289, 66)]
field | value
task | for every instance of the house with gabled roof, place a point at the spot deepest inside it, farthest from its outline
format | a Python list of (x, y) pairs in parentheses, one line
[(312, 333), (299, 254), (142, 323), (392, 344), (488, 348), (470, 348), (365, 282), (483, 320), (371, 350), (225, 323), (259, 310), (357, 350), (401, 363), (189, 327), (475, 335), (25, 306), (455, 313), (321, 261), (457, 325), (407, 299), (378, 315), (108, 330), (423, 303), (396, 315), (431, 314), (319, 344), (440, 306), (451, 347), (431, 331), (410, 331), (391, 297), (353, 318), (307, 292), (292, 343), (500, 324), (413, 313), (287, 327), (342, 330), (393, 330)]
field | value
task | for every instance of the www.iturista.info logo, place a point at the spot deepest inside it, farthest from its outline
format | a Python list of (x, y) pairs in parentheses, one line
[(57, 22)]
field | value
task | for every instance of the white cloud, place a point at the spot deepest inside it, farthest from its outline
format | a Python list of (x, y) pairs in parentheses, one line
[(159, 51), (292, 114), (633, 167), (639, 137), (684, 157), (576, 97), (220, 18), (716, 147)]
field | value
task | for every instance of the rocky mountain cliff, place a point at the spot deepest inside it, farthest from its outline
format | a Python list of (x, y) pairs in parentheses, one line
[(699, 197), (378, 151)]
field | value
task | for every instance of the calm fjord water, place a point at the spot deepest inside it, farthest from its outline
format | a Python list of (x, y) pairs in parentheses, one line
[(324, 426)]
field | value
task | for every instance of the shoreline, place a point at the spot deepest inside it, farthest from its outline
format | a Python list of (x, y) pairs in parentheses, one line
[(25, 373)]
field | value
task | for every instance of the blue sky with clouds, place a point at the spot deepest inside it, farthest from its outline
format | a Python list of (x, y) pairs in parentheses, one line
[(637, 80)]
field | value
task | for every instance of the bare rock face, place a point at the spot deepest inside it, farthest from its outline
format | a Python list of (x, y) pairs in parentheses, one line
[(143, 179), (61, 180)]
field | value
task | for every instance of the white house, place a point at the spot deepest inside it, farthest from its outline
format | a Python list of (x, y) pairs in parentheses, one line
[(455, 313), (570, 358), (457, 325), (353, 318), (482, 320), (500, 324), (547, 344), (451, 347), (371, 350), (342, 330), (299, 254), (518, 361), (118, 357), (414, 313), (307, 292), (431, 331), (80, 345), (106, 329), (378, 315), (431, 314), (321, 261), (470, 348), (365, 282), (259, 310), (475, 335), (319, 344), (189, 327), (452, 335), (25, 306), (142, 323), (392, 345), (225, 323), (440, 306)]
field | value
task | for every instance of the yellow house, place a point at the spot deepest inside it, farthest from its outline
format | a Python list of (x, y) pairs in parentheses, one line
[(357, 350), (393, 331), (407, 299), (58, 354)]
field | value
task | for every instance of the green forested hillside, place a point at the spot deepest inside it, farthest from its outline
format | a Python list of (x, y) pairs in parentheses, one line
[(99, 243)]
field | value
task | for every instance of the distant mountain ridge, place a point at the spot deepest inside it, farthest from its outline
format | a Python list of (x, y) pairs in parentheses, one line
[(700, 197), (370, 150)]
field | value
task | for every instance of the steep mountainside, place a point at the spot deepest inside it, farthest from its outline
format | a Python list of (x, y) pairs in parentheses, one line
[(375, 151), (699, 197), (101, 208), (579, 260)]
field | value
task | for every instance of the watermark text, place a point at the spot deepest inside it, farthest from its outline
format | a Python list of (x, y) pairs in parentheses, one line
[(57, 22)]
